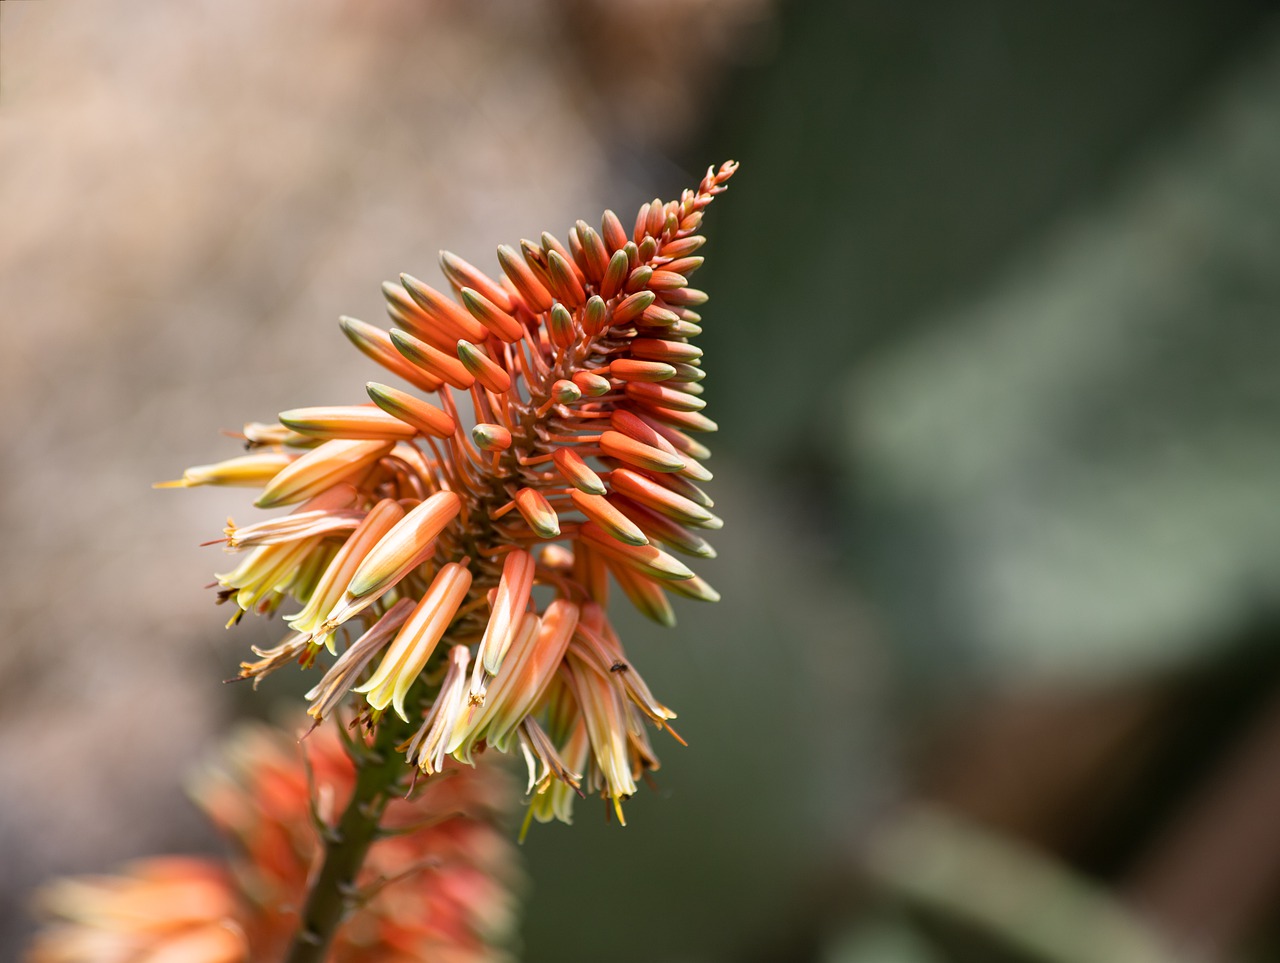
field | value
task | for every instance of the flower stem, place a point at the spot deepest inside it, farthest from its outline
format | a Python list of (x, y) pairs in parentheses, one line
[(379, 773)]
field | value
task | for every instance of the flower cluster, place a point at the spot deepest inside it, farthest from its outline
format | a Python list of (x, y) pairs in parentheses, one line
[(578, 464), (437, 887)]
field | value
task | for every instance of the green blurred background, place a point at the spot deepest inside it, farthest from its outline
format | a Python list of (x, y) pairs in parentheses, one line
[(992, 344)]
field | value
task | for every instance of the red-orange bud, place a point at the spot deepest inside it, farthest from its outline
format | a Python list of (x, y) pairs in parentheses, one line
[(491, 437), (532, 290), (376, 344), (432, 360), (565, 392), (662, 396), (608, 517), (463, 275), (592, 384), (486, 371), (631, 369), (494, 318), (595, 316), (537, 511), (564, 280), (626, 449), (426, 418), (611, 229), (560, 326), (632, 307), (443, 309), (615, 274), (655, 349), (576, 471)]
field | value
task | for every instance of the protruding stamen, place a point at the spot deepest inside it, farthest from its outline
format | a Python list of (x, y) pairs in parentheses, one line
[(329, 692), (428, 745), (509, 604), (418, 638), (328, 591), (246, 471), (532, 661)]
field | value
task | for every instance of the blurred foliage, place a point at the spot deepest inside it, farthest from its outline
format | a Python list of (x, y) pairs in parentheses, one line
[(1010, 277), (1016, 904), (895, 156), (1087, 444)]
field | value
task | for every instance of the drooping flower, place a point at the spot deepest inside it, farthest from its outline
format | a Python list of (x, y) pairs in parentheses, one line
[(442, 891), (585, 392)]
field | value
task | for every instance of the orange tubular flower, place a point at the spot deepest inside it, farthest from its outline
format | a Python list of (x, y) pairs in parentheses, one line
[(431, 536), (441, 892)]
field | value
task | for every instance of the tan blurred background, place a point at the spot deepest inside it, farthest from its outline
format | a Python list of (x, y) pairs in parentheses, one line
[(992, 343)]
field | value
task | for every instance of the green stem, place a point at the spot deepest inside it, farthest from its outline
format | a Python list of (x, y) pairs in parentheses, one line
[(379, 774)]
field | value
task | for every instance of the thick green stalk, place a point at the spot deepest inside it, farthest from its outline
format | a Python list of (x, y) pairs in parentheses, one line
[(379, 774)]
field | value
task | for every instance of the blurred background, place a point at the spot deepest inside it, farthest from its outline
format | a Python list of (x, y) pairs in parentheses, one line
[(992, 342)]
